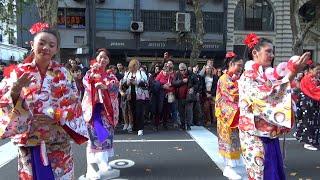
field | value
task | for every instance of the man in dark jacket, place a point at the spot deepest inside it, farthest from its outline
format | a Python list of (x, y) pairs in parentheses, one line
[(186, 84), (197, 112)]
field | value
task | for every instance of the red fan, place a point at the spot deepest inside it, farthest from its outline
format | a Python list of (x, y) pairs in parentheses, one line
[(269, 74), (291, 65), (282, 69)]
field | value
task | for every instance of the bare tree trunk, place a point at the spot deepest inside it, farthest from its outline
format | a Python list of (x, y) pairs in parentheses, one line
[(299, 33), (48, 12), (197, 40)]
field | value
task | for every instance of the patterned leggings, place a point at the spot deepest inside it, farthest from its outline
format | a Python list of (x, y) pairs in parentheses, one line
[(253, 155)]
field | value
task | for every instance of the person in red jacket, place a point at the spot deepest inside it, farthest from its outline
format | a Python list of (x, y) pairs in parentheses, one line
[(165, 78)]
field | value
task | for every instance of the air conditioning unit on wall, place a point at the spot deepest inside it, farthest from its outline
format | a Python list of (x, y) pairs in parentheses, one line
[(183, 22), (136, 26)]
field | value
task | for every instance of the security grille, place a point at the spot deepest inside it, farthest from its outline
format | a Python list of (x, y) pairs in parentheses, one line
[(158, 20)]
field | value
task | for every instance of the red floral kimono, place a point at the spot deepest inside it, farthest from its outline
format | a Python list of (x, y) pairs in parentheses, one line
[(54, 94), (101, 117)]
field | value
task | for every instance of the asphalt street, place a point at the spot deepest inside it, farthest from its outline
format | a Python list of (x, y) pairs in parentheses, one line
[(175, 154)]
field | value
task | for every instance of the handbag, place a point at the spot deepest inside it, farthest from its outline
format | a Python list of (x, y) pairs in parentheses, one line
[(144, 85), (191, 97), (170, 95)]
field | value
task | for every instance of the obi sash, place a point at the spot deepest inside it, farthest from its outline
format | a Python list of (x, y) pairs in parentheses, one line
[(273, 163), (39, 170)]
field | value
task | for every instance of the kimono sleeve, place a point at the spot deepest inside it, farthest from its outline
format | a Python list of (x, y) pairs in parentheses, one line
[(74, 125), (227, 101), (228, 89), (310, 88), (272, 103), (87, 97), (13, 117)]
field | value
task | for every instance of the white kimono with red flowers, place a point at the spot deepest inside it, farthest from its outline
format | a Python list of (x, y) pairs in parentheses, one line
[(54, 94)]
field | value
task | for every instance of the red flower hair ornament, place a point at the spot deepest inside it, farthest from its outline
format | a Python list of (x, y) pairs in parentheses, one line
[(230, 55), (93, 61), (251, 40), (38, 27)]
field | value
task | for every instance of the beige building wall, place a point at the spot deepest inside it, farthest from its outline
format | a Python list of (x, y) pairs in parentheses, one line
[(282, 34)]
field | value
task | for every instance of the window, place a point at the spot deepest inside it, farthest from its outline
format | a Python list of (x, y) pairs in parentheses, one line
[(213, 22), (241, 50), (78, 39), (256, 15), (61, 18), (158, 20), (112, 19), (165, 21), (73, 18)]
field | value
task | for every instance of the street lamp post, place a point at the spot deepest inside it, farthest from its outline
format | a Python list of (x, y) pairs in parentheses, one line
[(91, 28)]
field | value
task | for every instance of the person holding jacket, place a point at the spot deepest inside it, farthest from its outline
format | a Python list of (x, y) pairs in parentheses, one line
[(165, 80), (186, 84)]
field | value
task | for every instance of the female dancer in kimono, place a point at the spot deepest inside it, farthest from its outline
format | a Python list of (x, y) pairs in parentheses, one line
[(265, 110), (101, 112), (40, 111), (227, 113), (308, 113)]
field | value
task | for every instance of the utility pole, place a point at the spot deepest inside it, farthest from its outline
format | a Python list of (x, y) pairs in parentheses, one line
[(137, 17), (91, 27)]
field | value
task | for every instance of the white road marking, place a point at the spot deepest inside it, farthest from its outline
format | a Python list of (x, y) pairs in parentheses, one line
[(104, 175), (202, 136), (121, 163), (8, 152), (289, 139), (209, 143)]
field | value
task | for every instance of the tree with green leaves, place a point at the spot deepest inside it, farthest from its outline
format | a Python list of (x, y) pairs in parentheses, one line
[(309, 14), (47, 10), (7, 18)]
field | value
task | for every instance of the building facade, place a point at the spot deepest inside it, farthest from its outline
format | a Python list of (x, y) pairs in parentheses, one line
[(134, 28), (270, 19)]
